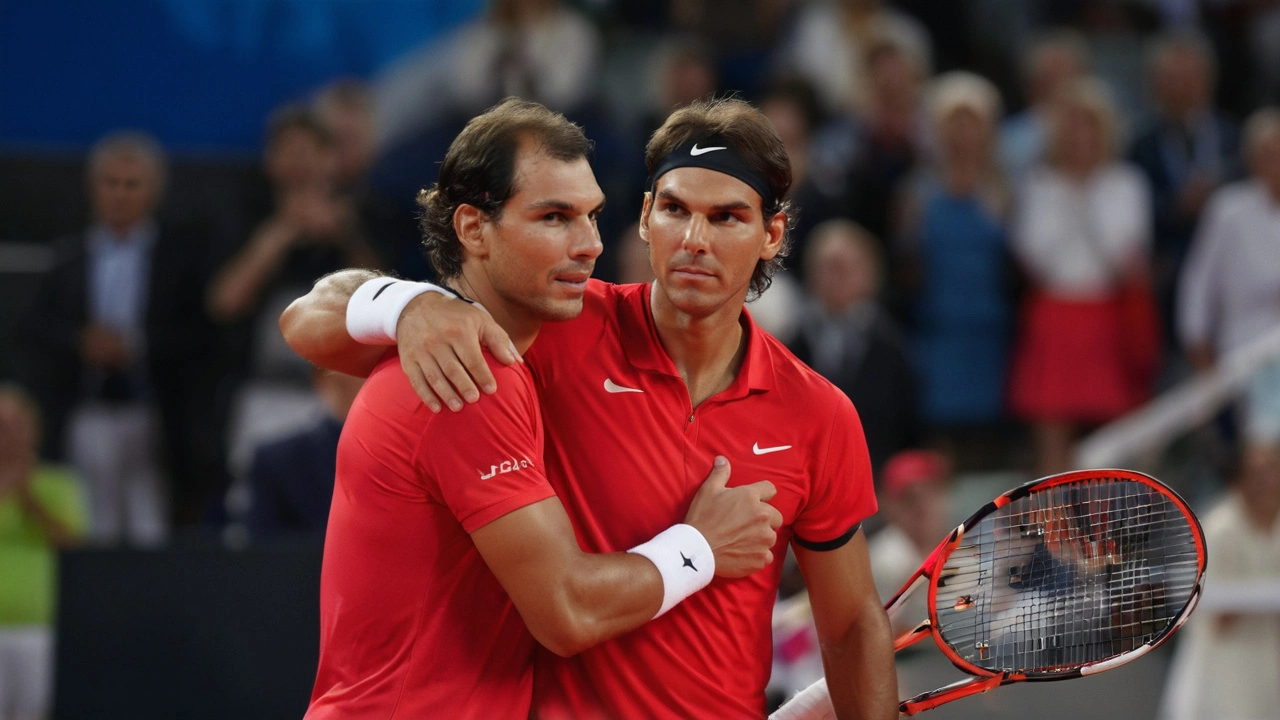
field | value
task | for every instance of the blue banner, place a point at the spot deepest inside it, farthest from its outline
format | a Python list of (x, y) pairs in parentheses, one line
[(201, 74)]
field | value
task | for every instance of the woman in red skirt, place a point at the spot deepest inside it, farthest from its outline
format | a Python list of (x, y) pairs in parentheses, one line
[(1083, 234)]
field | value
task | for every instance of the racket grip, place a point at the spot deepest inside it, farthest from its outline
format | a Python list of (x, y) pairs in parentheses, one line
[(954, 691), (811, 703)]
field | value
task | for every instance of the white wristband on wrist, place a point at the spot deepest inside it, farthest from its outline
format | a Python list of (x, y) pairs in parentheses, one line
[(684, 560), (374, 310)]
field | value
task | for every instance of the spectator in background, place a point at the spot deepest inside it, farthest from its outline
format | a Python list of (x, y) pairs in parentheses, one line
[(121, 346), (41, 511), (793, 108), (741, 35), (681, 71), (1228, 658), (913, 493), (1230, 289), (1187, 150), (892, 131), (1083, 233), (957, 263), (848, 339), (304, 228), (291, 479), (540, 50), (1053, 61), (346, 109), (831, 46)]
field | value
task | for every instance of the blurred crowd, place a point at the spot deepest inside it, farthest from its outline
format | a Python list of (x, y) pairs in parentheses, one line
[(1018, 221)]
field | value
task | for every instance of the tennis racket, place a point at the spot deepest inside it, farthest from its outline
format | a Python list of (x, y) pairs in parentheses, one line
[(1063, 577)]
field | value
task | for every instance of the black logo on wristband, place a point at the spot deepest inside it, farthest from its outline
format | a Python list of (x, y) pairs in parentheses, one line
[(688, 562)]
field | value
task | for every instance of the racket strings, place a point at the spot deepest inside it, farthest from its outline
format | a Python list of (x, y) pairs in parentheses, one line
[(1067, 576)]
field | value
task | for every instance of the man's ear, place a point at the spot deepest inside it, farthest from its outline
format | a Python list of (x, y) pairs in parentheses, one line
[(644, 217), (469, 223), (777, 231)]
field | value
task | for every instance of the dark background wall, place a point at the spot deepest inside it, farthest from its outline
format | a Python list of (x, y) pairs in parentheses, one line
[(190, 632)]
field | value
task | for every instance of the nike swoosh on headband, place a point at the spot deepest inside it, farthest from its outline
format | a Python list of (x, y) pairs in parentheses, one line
[(696, 151)]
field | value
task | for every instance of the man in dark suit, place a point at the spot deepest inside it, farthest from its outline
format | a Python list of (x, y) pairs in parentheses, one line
[(1187, 150), (123, 356), (848, 338), (291, 479)]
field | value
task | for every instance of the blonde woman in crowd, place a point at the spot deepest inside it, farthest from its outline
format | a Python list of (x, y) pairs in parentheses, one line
[(954, 241), (1083, 236)]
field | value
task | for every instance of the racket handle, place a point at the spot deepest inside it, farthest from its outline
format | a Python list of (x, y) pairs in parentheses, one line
[(811, 703), (954, 691)]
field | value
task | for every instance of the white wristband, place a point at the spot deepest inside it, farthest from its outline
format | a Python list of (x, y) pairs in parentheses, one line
[(374, 310), (684, 560)]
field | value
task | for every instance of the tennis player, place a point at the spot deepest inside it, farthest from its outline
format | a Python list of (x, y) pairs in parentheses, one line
[(445, 539), (645, 387)]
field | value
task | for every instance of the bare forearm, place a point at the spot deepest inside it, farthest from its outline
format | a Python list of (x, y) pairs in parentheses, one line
[(860, 670), (606, 596), (237, 286), (315, 325)]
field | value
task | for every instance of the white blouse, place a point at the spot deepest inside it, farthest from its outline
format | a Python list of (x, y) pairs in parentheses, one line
[(1077, 239), (1230, 285)]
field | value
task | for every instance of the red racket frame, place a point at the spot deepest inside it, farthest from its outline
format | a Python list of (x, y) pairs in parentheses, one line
[(983, 679)]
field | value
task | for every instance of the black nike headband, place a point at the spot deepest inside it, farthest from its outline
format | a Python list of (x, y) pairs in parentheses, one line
[(714, 153)]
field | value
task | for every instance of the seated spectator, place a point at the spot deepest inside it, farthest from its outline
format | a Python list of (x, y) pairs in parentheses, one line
[(302, 228), (1083, 236), (291, 479), (346, 109), (832, 41), (123, 352), (41, 511), (847, 338), (1053, 61), (891, 132), (1230, 289), (1187, 150), (310, 225), (957, 262), (1228, 658), (792, 107), (681, 70), (913, 497), (542, 50)]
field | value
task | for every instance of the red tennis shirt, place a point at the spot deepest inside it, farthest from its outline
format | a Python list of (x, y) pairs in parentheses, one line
[(413, 624), (626, 452)]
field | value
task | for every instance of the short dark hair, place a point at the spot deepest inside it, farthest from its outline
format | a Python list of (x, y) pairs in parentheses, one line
[(755, 139), (479, 170), (296, 117)]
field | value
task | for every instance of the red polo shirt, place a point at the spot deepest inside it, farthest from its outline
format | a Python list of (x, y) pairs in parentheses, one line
[(413, 624), (626, 452)]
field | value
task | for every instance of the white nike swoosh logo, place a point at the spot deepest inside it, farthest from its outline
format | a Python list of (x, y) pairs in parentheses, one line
[(696, 151), (765, 451), (613, 387)]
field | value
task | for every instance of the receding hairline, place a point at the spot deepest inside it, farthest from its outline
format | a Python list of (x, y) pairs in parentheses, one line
[(530, 145)]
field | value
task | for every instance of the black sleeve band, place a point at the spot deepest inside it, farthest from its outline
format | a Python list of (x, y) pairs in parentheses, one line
[(830, 544)]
